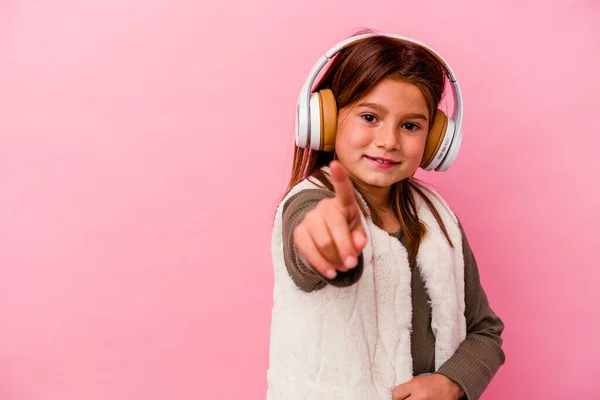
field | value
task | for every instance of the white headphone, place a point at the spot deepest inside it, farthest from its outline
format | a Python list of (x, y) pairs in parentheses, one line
[(316, 113)]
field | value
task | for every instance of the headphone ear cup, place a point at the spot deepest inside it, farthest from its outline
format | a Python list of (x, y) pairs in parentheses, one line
[(435, 138), (453, 147), (314, 128), (329, 119)]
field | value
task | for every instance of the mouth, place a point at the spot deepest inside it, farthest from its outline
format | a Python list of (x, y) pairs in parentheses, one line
[(382, 162)]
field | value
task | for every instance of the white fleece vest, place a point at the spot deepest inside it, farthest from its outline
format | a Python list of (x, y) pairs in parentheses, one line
[(354, 342)]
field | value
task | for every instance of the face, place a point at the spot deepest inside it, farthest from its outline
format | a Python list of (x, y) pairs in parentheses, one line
[(381, 137)]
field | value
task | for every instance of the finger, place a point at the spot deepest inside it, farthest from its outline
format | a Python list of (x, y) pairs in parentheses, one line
[(359, 238), (342, 185), (401, 392), (340, 232), (322, 237), (311, 254)]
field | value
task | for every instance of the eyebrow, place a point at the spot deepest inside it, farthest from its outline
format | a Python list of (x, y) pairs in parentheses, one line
[(381, 108)]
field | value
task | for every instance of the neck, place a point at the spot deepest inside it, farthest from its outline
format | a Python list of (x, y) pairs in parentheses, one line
[(378, 196)]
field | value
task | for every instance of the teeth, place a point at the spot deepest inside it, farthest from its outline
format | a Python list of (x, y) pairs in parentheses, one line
[(380, 161)]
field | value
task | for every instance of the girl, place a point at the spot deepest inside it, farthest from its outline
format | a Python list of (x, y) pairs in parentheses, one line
[(377, 292)]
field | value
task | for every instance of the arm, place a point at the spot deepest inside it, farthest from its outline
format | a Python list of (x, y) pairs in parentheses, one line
[(305, 277), (480, 355)]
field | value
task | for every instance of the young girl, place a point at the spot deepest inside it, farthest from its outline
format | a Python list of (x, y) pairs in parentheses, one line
[(377, 292)]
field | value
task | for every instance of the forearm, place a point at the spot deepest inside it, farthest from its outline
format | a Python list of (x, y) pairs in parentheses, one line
[(474, 364)]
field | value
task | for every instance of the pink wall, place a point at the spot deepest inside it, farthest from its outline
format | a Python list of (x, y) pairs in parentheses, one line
[(134, 243)]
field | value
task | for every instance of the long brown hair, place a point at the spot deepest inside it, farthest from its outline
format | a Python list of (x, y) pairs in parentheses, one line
[(352, 74)]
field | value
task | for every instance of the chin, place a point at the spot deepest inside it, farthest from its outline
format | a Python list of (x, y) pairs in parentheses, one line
[(379, 180)]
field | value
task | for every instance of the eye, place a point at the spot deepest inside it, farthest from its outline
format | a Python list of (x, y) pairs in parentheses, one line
[(410, 126), (369, 118)]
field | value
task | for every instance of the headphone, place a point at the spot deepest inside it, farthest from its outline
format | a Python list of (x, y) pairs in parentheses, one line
[(316, 113)]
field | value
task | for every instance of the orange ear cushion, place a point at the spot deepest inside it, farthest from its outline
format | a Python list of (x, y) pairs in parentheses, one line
[(329, 116), (435, 137)]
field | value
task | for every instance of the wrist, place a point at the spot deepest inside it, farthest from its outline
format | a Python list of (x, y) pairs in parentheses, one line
[(455, 389), (458, 392)]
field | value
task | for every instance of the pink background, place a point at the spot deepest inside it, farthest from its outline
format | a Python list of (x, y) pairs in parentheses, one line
[(134, 241)]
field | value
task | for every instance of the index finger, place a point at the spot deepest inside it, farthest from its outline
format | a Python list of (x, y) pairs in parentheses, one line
[(342, 185)]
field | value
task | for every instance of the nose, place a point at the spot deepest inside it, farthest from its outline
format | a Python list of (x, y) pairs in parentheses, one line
[(386, 138)]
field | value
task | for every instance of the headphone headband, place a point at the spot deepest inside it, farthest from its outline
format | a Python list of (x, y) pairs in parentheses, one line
[(457, 111)]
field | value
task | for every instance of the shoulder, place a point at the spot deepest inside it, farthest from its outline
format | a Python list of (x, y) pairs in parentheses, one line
[(305, 197), (306, 194)]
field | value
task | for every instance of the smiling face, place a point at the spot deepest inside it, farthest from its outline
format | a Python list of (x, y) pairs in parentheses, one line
[(381, 137)]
